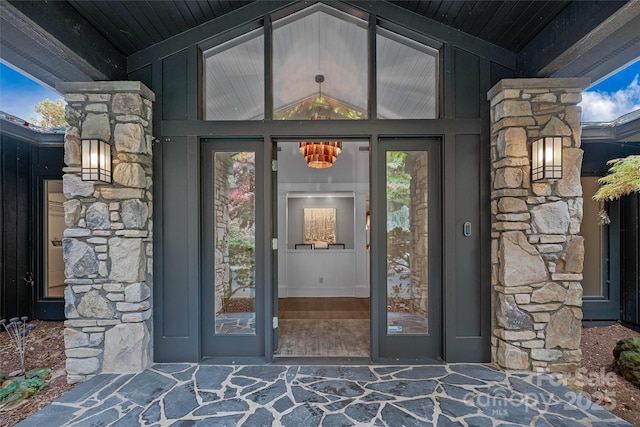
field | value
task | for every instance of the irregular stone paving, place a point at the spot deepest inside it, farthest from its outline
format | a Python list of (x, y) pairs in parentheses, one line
[(306, 396), (236, 323)]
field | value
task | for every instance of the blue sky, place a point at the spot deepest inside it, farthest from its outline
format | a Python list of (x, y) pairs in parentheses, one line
[(19, 94), (613, 97), (609, 99)]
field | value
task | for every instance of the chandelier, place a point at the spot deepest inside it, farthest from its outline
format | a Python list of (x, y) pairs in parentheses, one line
[(320, 155)]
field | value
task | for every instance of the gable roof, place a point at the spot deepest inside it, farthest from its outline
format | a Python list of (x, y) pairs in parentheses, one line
[(104, 40)]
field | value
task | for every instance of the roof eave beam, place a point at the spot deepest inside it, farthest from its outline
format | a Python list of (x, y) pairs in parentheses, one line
[(588, 39), (68, 40)]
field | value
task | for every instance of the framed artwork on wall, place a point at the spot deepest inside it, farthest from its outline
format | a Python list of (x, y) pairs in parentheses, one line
[(319, 226)]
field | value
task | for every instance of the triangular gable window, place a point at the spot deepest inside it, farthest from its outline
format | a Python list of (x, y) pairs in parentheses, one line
[(321, 44), (320, 41)]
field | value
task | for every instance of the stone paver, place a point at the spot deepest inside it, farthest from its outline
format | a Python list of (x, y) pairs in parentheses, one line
[(303, 396)]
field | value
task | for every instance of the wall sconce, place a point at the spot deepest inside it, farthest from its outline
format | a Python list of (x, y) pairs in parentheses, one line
[(96, 160), (546, 161)]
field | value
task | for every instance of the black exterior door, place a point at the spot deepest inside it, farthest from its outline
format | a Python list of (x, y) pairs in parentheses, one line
[(233, 250), (408, 277), (15, 248)]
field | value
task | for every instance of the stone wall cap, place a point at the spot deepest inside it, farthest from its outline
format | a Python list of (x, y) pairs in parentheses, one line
[(106, 87), (540, 83)]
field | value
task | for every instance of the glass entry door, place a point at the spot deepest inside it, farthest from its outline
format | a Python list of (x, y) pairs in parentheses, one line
[(409, 284), (232, 288)]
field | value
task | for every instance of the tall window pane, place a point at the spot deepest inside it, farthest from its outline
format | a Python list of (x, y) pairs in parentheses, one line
[(320, 41), (593, 233), (235, 240), (54, 230), (234, 79), (407, 242), (407, 78)]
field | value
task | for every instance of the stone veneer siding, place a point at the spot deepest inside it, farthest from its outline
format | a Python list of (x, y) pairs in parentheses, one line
[(107, 245), (222, 163), (417, 166), (536, 252)]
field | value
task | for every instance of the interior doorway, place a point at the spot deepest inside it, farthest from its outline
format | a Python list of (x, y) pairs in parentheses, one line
[(324, 327), (323, 293)]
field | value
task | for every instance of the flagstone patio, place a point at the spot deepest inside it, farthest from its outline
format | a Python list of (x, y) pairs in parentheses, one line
[(304, 396)]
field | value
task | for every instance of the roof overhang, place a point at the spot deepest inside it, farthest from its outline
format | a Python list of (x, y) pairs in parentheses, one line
[(26, 134), (53, 42), (623, 130), (610, 46)]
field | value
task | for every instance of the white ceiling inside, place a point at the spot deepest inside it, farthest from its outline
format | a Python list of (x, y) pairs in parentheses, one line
[(352, 165)]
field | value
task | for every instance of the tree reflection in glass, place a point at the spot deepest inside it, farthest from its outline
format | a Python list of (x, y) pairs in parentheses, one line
[(407, 242), (235, 263)]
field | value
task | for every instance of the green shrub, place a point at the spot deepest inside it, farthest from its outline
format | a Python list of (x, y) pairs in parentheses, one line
[(24, 388), (626, 344)]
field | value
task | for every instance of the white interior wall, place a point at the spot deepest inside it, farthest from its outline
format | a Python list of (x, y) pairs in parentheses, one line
[(324, 273), (55, 230)]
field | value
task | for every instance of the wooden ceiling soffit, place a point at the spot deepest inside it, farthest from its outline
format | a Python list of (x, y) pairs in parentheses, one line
[(575, 39), (617, 36), (401, 17), (237, 19), (47, 24), (255, 12)]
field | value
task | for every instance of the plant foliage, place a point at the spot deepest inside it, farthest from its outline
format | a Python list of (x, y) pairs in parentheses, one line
[(18, 329), (52, 114), (25, 387), (623, 179), (398, 235)]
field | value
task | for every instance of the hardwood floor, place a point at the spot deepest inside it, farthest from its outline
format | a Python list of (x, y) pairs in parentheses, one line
[(323, 308), (324, 327)]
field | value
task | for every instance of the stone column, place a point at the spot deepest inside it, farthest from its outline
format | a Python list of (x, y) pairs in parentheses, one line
[(536, 251), (107, 245)]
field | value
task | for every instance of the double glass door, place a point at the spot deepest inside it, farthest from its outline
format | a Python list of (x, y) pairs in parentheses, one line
[(407, 281)]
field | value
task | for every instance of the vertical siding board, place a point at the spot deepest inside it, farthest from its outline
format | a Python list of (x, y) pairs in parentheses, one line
[(16, 193), (498, 72), (484, 225), (143, 75), (631, 258), (175, 87), (468, 249), (175, 245), (467, 84), (467, 278)]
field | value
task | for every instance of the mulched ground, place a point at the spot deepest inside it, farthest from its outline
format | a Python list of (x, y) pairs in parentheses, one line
[(399, 305), (239, 305), (602, 384), (46, 350)]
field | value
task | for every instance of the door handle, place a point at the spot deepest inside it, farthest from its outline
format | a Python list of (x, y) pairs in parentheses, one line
[(28, 279)]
